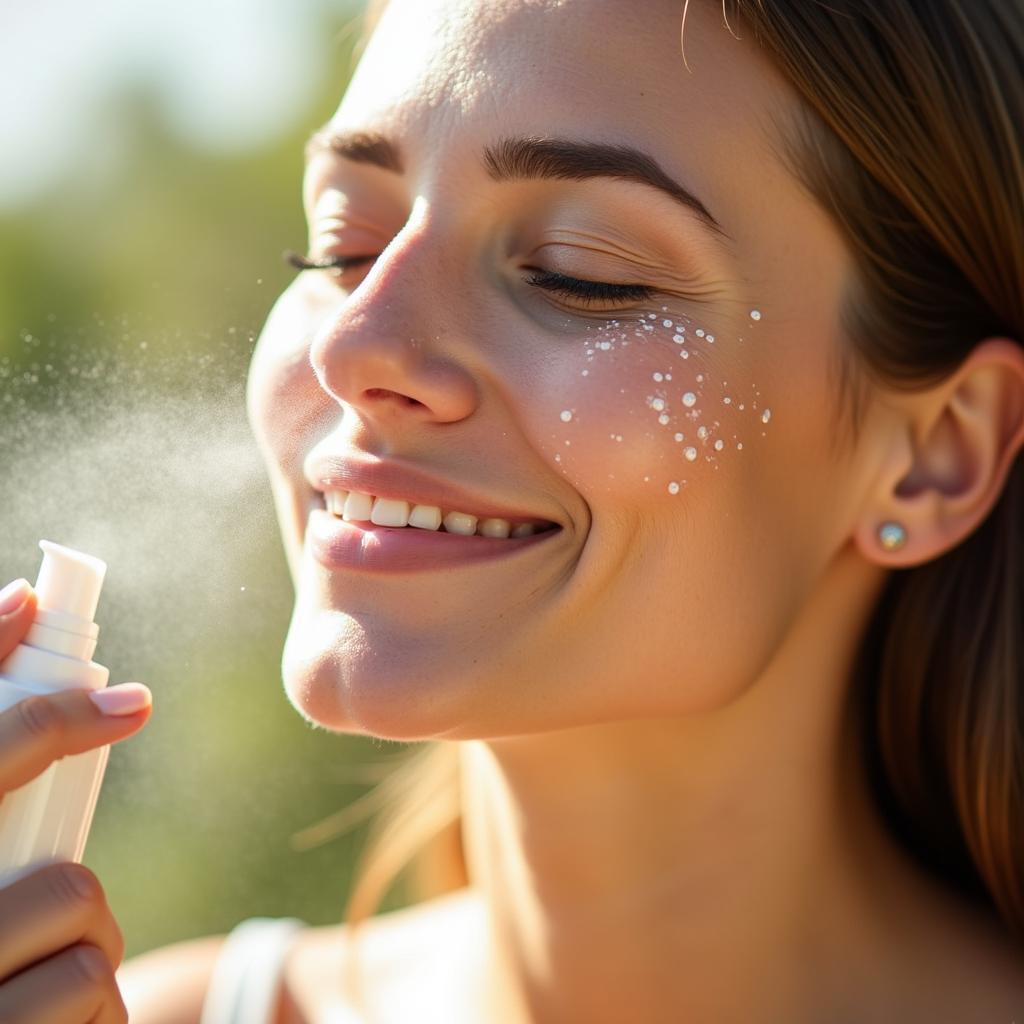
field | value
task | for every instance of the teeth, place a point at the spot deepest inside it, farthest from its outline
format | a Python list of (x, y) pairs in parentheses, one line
[(358, 507), (335, 501), (390, 512), (395, 512), (461, 523), (426, 517), (494, 527)]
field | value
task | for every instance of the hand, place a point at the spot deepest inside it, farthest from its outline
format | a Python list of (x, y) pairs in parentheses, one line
[(59, 942)]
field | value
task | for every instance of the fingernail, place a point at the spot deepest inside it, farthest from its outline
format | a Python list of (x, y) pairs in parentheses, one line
[(122, 700), (13, 596)]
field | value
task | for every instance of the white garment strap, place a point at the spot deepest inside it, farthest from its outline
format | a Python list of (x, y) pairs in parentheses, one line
[(244, 986)]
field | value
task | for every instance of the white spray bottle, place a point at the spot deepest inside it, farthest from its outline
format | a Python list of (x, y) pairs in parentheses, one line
[(48, 818)]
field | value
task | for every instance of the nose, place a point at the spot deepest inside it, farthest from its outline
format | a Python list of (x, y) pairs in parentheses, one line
[(387, 349)]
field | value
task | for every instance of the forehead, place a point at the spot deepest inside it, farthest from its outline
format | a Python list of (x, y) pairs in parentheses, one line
[(439, 73)]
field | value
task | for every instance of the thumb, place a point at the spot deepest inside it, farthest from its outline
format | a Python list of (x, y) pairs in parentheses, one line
[(17, 612)]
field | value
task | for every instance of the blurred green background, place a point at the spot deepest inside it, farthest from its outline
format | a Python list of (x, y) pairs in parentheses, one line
[(151, 181)]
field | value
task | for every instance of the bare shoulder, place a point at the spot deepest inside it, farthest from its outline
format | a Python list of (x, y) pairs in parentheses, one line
[(409, 959), (406, 957), (168, 985)]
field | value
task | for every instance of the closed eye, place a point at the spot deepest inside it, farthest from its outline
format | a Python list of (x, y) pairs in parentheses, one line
[(326, 262), (589, 291)]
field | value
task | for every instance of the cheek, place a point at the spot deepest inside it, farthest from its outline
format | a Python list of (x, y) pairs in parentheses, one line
[(284, 399), (649, 407)]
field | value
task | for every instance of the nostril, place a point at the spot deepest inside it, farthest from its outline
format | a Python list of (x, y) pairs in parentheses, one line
[(387, 393)]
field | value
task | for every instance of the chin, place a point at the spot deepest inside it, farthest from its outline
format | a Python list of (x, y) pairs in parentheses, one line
[(393, 688)]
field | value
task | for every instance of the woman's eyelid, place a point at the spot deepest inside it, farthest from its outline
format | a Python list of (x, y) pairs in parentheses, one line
[(590, 263)]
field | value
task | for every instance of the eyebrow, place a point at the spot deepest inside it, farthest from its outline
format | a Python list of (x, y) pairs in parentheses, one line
[(359, 147), (529, 157)]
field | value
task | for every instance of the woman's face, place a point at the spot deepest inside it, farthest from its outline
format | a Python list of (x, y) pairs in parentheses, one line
[(676, 428)]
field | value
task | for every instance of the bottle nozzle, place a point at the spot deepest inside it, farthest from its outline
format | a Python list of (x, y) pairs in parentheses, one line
[(69, 581)]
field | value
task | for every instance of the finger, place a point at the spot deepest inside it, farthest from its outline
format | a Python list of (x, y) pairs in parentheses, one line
[(42, 728), (17, 612), (59, 905), (76, 986)]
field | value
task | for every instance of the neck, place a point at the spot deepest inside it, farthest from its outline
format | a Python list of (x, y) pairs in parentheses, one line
[(712, 867)]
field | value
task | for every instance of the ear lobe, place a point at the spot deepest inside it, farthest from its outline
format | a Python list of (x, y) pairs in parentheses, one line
[(963, 437)]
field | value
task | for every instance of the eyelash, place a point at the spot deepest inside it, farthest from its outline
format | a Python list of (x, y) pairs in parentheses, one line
[(548, 280), (590, 291), (325, 262)]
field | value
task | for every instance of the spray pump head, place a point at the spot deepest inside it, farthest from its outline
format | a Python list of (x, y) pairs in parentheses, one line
[(69, 581)]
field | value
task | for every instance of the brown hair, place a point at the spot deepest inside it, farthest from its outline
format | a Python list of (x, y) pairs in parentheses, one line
[(910, 138)]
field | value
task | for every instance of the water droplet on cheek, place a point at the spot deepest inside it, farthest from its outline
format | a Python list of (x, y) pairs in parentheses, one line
[(565, 416)]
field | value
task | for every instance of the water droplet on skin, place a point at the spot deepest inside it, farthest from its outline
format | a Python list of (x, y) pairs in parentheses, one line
[(711, 339), (700, 378), (728, 401), (690, 453), (766, 415), (755, 314), (658, 404), (719, 445), (678, 339), (689, 399), (673, 488), (658, 377), (679, 437), (739, 446), (663, 419), (683, 354), (702, 432), (565, 416)]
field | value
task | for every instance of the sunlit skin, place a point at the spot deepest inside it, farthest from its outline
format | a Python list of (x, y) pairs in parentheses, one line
[(664, 813)]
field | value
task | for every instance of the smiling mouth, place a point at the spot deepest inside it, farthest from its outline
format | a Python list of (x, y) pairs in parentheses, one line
[(397, 513)]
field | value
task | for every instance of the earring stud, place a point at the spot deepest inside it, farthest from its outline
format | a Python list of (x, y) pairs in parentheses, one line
[(892, 536)]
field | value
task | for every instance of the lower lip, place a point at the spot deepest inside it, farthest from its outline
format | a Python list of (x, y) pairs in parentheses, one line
[(366, 547)]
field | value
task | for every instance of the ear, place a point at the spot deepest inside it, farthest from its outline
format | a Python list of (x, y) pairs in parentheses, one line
[(949, 459)]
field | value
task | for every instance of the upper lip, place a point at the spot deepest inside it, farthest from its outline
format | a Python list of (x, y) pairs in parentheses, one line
[(348, 472)]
